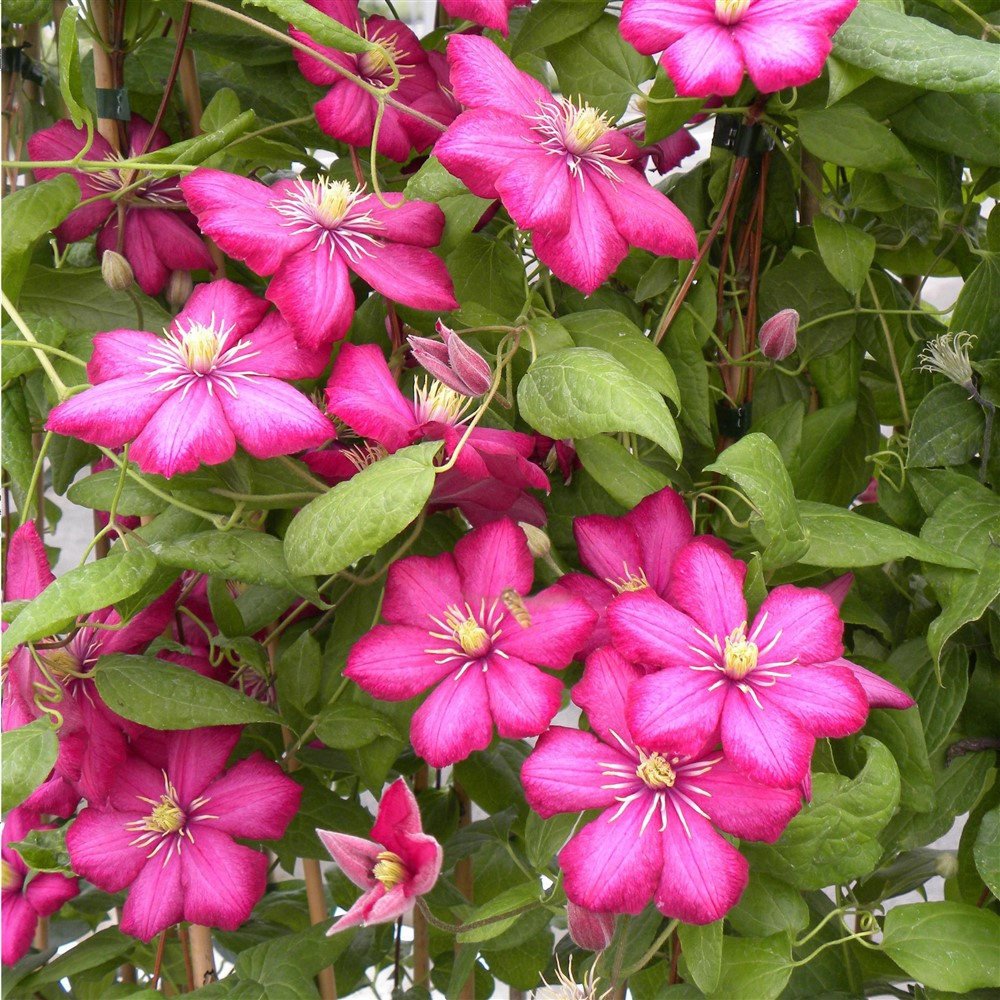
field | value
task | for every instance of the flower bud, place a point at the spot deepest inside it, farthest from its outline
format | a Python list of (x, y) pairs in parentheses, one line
[(452, 362), (179, 289), (116, 271), (777, 336), (588, 928), (539, 544)]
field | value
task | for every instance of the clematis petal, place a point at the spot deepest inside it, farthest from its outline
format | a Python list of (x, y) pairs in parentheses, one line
[(419, 223), (358, 911), (110, 414), (567, 772), (196, 756), (19, 923), (364, 395), (421, 587), (536, 189), (648, 630), (879, 692), (608, 546), (241, 310), (589, 929), (493, 558), (161, 235), (707, 584), (677, 709), (826, 700), (392, 662), (411, 275), (559, 628), (613, 864), (766, 744), (523, 699), (662, 523), (652, 25), (47, 892), (454, 721), (480, 145), (188, 429), (398, 814), (796, 61), (387, 907), (276, 352), (705, 61), (222, 880), (312, 290), (798, 625), (253, 799), (155, 900), (603, 691), (743, 807), (28, 572), (355, 856), (100, 848), (703, 874), (122, 354), (483, 77)]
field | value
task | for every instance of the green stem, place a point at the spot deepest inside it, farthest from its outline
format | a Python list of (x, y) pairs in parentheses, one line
[(32, 340), (35, 474), (892, 351), (45, 347), (472, 925), (652, 950), (300, 471)]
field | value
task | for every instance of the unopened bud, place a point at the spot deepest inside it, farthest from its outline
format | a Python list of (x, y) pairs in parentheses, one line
[(539, 544), (946, 864), (589, 929), (179, 288), (116, 271), (452, 362), (777, 336)]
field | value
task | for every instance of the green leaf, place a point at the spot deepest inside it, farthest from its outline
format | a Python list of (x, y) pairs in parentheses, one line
[(462, 209), (903, 734), (768, 906), (238, 554), (947, 428), (350, 727), (986, 850), (45, 850), (754, 463), (598, 65), (299, 673), (916, 52), (79, 591), (70, 81), (97, 492), (580, 392), (29, 213), (754, 967), (947, 946), (842, 538), (488, 273), (222, 108), (625, 478), (102, 947), (551, 21), (318, 26), (665, 111), (683, 347), (702, 950), (835, 837), (544, 838), (968, 524), (965, 125), (850, 136), (164, 695), (357, 517), (29, 753), (511, 899), (201, 147), (846, 250), (976, 311), (609, 331), (15, 441)]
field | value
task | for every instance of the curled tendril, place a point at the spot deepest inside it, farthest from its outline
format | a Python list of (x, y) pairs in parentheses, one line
[(866, 921)]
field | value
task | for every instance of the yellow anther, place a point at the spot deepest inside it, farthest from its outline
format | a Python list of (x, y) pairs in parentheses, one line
[(655, 771), (730, 11), (200, 345), (389, 869), (585, 126), (740, 654), (60, 662), (436, 402), (9, 878), (166, 817), (631, 582)]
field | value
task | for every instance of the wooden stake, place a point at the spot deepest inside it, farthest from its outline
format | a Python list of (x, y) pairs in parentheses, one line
[(319, 914), (104, 74), (202, 955)]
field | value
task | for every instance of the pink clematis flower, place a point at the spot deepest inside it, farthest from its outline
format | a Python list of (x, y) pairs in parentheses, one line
[(215, 380), (628, 553), (312, 234), (463, 625), (493, 14), (397, 865), (347, 112), (559, 168), (23, 900), (452, 362), (156, 241), (58, 682), (709, 43), (363, 394), (655, 838), (167, 834), (768, 690)]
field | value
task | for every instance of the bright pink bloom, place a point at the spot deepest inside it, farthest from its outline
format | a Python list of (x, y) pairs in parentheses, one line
[(22, 904), (364, 395), (312, 234), (709, 43), (493, 14), (559, 168), (215, 380), (157, 241), (167, 834), (463, 625), (628, 553), (397, 865), (656, 838), (768, 690), (91, 736), (347, 112)]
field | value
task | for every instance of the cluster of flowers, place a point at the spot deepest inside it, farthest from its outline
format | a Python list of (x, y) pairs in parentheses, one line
[(161, 808), (699, 722)]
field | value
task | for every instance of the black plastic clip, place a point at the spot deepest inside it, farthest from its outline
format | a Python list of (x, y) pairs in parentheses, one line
[(734, 421), (734, 134), (14, 60), (112, 102)]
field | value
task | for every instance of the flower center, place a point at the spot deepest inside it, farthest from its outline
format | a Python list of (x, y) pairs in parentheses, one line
[(630, 582), (655, 771), (470, 635), (200, 348), (584, 126), (374, 62), (731, 11), (436, 403), (61, 662), (363, 455), (332, 200), (166, 817), (740, 653), (9, 879), (389, 869)]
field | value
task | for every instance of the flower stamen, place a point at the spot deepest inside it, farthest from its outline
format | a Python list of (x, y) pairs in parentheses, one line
[(389, 869)]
